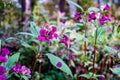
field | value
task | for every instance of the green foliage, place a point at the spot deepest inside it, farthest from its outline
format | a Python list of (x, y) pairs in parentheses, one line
[(116, 71), (11, 60), (54, 60)]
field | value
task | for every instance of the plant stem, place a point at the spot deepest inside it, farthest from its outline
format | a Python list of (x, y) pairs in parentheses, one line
[(20, 77), (33, 68), (94, 51)]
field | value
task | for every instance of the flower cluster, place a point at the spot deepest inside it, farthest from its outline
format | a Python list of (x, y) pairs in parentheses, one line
[(46, 35), (104, 19), (64, 40), (2, 73), (23, 70), (3, 53)]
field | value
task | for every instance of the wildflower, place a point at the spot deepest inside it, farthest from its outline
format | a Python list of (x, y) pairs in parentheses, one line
[(59, 64), (3, 77), (3, 59), (102, 77), (2, 70), (25, 71), (77, 16), (16, 68), (4, 52), (92, 16), (46, 35), (103, 19), (64, 40), (106, 8)]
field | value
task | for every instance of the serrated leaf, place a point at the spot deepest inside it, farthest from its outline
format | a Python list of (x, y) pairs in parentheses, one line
[(93, 9), (12, 59), (54, 60)]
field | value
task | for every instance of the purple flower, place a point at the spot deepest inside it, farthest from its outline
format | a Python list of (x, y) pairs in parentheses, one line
[(2, 70), (59, 65), (102, 77), (64, 40), (25, 71), (4, 52), (3, 77), (92, 16), (103, 19), (3, 59), (77, 16), (107, 8), (46, 35), (16, 68), (70, 56)]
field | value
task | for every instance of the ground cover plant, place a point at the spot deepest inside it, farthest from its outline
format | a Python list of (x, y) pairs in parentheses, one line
[(35, 45)]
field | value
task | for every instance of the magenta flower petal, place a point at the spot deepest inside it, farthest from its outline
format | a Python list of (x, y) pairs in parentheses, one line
[(54, 28), (56, 35), (4, 52), (41, 39), (43, 32), (3, 59), (2, 70), (3, 77), (107, 8), (59, 64), (77, 16), (92, 16)]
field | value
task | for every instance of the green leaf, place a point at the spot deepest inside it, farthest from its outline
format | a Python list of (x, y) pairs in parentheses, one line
[(11, 60), (119, 55), (70, 1), (33, 29), (25, 44), (93, 9), (109, 49), (88, 76), (25, 77), (116, 71), (54, 60), (25, 33), (100, 31)]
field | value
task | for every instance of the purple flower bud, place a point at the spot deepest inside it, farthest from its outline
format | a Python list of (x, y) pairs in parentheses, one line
[(59, 65), (2, 70), (3, 77), (92, 16), (107, 8)]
